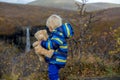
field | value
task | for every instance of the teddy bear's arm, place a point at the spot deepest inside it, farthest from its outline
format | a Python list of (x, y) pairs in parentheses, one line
[(41, 51)]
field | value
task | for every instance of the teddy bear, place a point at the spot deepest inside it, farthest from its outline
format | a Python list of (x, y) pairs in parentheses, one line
[(41, 35), (39, 50)]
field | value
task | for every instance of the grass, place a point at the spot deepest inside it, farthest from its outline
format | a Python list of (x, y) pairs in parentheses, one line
[(90, 66)]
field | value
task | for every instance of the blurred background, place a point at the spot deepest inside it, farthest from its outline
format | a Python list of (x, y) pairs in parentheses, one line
[(94, 51)]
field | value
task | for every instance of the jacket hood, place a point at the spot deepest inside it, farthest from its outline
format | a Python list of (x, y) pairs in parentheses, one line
[(66, 29)]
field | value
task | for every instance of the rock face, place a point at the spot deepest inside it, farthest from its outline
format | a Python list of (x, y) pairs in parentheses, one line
[(19, 36), (70, 4)]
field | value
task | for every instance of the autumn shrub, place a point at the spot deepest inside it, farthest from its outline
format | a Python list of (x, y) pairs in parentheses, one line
[(7, 51), (16, 64), (89, 66)]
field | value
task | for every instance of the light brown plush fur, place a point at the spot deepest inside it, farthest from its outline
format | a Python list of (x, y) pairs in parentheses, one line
[(41, 35), (40, 51)]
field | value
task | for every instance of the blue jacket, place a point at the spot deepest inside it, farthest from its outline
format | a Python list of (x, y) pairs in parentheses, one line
[(57, 41)]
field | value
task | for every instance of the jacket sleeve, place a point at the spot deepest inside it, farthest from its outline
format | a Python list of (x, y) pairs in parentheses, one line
[(52, 43)]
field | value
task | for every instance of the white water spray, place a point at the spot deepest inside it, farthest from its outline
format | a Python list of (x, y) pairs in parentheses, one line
[(27, 39)]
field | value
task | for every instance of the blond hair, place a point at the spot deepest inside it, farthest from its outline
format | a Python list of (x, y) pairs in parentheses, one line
[(54, 21)]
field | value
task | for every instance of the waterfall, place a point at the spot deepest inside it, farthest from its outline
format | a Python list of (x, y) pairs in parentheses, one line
[(27, 39)]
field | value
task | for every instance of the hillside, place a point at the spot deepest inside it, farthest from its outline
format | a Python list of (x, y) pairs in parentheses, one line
[(70, 4), (100, 6), (61, 4), (14, 15), (93, 51)]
